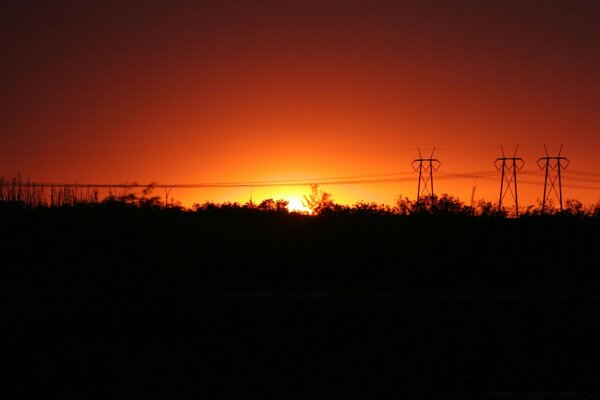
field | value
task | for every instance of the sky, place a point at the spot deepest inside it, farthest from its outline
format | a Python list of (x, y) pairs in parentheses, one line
[(237, 91)]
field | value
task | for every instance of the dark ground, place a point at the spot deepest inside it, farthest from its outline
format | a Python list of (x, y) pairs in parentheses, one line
[(226, 304)]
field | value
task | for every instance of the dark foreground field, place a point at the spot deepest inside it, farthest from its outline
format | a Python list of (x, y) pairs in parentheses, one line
[(230, 304)]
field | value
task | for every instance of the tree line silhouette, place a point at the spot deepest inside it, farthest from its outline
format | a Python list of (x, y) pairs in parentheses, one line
[(26, 193)]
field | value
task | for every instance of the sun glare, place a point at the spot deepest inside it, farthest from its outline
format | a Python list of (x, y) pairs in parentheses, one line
[(295, 205)]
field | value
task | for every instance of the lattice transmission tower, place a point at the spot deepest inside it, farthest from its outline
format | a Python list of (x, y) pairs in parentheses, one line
[(426, 167), (508, 180), (552, 167)]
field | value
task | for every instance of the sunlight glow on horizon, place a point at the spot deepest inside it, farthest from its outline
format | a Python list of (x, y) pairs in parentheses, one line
[(297, 205)]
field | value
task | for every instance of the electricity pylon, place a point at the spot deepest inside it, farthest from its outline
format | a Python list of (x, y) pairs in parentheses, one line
[(554, 164), (509, 167), (426, 168)]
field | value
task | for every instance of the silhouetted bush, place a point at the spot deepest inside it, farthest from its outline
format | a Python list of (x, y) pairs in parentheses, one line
[(594, 210), (574, 208), (364, 208), (318, 201), (488, 209)]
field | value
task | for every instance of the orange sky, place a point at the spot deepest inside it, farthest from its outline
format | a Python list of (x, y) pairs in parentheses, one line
[(177, 92)]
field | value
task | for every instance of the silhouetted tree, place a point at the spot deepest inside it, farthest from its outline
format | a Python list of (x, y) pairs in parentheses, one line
[(267, 205), (363, 207), (206, 206), (489, 209), (318, 200), (403, 206), (450, 205), (279, 205), (595, 210), (536, 210), (250, 205), (574, 208)]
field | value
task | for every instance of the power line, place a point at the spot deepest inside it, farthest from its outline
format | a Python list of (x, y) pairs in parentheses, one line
[(308, 182), (426, 168), (583, 173), (251, 151)]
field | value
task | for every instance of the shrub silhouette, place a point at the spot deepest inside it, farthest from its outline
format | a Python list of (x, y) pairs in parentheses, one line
[(279, 205), (574, 208), (318, 201), (365, 208), (489, 210)]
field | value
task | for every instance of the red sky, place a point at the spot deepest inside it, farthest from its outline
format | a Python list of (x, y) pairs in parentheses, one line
[(192, 92)]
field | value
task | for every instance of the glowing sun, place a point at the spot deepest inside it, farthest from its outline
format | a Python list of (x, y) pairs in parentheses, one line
[(295, 205)]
